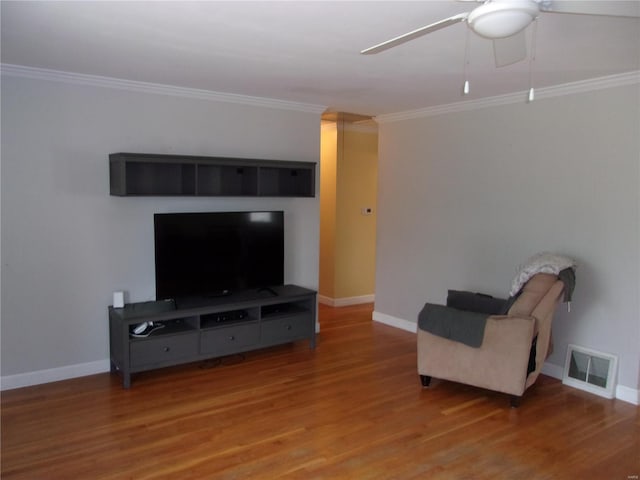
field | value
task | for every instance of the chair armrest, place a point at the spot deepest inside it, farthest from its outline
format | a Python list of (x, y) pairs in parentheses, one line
[(500, 363)]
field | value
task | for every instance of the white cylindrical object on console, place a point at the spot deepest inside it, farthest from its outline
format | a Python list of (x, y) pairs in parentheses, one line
[(118, 299)]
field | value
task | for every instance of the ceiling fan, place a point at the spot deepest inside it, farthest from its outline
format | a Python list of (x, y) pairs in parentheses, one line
[(504, 22)]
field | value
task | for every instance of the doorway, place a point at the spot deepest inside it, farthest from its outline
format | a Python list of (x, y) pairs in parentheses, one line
[(348, 209)]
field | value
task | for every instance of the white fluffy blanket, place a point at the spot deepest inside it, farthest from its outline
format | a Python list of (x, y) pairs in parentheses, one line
[(540, 263)]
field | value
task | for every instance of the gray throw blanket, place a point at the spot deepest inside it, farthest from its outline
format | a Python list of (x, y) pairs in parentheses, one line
[(568, 277), (457, 325)]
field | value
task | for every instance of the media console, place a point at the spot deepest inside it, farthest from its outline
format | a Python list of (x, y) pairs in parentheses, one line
[(209, 328)]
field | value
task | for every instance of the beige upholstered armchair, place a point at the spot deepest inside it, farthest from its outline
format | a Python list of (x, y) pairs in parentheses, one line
[(506, 352)]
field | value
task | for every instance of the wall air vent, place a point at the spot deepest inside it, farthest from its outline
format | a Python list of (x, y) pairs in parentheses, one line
[(589, 370)]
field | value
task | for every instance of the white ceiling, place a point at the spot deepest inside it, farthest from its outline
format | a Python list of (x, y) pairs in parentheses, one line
[(307, 51)]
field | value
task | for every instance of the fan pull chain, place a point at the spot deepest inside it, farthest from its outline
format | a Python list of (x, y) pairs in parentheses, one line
[(465, 87), (532, 58)]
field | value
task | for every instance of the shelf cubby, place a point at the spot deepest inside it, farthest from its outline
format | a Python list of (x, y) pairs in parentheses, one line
[(289, 182), (227, 180)]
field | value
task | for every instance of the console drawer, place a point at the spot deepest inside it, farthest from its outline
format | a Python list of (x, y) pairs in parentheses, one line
[(225, 340), (286, 329), (163, 349)]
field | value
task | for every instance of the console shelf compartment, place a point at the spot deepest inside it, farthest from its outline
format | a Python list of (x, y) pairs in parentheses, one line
[(240, 322), (278, 310), (144, 174), (223, 319), (171, 327)]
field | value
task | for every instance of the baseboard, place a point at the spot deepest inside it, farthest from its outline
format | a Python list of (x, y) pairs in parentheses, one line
[(345, 301), (28, 379), (623, 393), (553, 370), (627, 394), (395, 322), (9, 382), (325, 300)]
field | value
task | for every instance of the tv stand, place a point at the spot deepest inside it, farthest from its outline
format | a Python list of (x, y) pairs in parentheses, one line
[(236, 323), (268, 289)]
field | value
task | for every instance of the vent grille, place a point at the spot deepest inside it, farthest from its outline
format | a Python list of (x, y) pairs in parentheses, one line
[(590, 370)]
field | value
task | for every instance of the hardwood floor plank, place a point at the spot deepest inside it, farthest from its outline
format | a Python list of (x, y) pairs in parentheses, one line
[(353, 408)]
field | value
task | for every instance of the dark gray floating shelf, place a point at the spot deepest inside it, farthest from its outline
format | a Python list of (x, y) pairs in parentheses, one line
[(144, 174)]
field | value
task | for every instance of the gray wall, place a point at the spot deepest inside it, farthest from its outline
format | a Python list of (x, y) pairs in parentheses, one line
[(464, 198), (67, 245)]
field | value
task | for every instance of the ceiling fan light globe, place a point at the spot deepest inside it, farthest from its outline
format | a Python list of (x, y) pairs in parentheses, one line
[(501, 19)]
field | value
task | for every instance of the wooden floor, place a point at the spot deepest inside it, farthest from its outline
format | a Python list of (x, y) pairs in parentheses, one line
[(351, 409)]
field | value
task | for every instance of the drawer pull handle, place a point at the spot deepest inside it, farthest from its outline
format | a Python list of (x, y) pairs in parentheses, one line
[(166, 349), (231, 337), (288, 327)]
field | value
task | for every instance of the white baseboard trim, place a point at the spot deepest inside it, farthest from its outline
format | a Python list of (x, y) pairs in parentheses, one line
[(345, 301), (395, 322), (29, 379), (9, 382), (553, 370), (626, 394)]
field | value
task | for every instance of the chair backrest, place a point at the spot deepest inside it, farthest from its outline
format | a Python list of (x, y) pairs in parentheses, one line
[(534, 295), (538, 299)]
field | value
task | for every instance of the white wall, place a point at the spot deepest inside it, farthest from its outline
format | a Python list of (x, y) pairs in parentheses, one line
[(464, 198), (67, 245)]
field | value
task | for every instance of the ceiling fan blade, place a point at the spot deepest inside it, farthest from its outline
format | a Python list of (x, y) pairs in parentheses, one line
[(415, 34), (510, 50), (594, 7)]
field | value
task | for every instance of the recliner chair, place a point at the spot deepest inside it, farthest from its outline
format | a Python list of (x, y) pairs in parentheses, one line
[(507, 355)]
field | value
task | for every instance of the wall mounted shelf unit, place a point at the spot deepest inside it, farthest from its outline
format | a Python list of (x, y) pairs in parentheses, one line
[(144, 174)]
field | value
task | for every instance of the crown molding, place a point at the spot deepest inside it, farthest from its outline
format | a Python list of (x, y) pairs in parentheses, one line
[(368, 127), (363, 126), (155, 88), (600, 83)]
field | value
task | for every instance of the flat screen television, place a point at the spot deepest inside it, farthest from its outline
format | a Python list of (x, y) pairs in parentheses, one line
[(217, 253)]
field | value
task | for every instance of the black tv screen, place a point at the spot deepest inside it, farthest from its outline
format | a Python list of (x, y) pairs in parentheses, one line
[(217, 253)]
